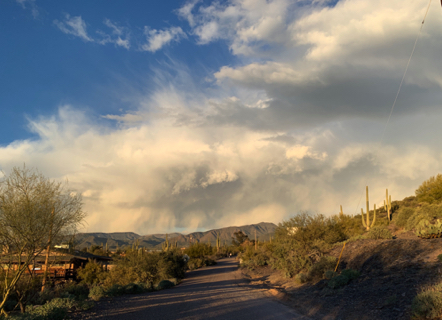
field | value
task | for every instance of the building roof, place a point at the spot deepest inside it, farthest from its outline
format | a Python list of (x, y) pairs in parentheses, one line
[(57, 257)]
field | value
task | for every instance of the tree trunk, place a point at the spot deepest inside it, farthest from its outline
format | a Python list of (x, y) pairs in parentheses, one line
[(48, 249)]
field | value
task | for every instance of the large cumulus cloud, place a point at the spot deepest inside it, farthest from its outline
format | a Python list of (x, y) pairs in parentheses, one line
[(295, 125)]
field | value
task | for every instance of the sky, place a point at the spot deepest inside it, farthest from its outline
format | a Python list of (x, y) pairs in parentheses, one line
[(191, 115)]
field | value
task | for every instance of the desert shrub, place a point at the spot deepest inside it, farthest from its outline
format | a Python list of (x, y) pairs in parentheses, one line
[(317, 270), (300, 241), (351, 274), (430, 191), (301, 278), (379, 232), (196, 263), (356, 238), (343, 279), (409, 201), (439, 257), (91, 274), (401, 217), (97, 292), (429, 212), (252, 258), (78, 291), (134, 288), (171, 265), (55, 309), (330, 274), (164, 284), (338, 281), (290, 257), (199, 250), (115, 290), (146, 268), (43, 297), (428, 303), (425, 229), (322, 246)]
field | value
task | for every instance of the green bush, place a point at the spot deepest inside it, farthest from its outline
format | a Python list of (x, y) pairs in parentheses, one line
[(97, 292), (338, 281), (200, 250), (429, 212), (351, 274), (425, 229), (146, 268), (317, 270), (134, 288), (252, 258), (91, 274), (301, 278), (115, 290), (330, 274), (55, 309), (430, 191), (343, 279), (401, 217), (439, 257), (379, 232), (79, 291), (164, 284), (196, 263), (428, 303)]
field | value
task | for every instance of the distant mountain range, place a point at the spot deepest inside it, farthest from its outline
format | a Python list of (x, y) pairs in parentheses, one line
[(153, 241)]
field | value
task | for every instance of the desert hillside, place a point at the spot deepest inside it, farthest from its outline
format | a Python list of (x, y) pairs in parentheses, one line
[(264, 231)]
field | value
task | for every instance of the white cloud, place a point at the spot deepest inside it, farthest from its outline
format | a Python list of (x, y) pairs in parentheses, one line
[(156, 39), (161, 174), (323, 63), (289, 128), (74, 26), (245, 24), (29, 4), (120, 36)]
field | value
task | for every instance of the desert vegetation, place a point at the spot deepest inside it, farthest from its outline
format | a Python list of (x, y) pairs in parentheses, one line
[(35, 214), (301, 245)]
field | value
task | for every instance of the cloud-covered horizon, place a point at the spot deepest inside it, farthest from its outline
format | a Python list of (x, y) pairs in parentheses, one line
[(295, 124)]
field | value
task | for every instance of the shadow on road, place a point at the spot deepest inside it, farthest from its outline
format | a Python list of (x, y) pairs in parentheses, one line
[(216, 292)]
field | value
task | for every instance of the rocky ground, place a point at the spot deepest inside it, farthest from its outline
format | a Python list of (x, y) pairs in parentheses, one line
[(392, 273)]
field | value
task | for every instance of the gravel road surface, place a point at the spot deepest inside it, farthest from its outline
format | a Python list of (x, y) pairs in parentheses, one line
[(216, 292)]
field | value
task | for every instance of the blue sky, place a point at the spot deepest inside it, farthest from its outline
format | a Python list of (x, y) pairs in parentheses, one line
[(43, 67), (200, 114)]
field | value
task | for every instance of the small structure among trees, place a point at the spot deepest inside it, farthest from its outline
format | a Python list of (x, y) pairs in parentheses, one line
[(35, 212)]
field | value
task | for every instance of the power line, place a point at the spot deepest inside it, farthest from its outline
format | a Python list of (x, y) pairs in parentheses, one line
[(400, 87)]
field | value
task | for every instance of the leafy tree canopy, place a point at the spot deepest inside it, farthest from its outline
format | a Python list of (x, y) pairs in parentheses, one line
[(430, 190), (239, 237)]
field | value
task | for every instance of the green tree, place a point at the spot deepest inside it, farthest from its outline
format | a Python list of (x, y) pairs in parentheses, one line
[(430, 190), (34, 212), (239, 237)]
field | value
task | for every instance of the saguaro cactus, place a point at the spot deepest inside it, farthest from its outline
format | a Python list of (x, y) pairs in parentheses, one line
[(341, 213), (387, 204), (367, 224), (218, 242), (165, 244), (256, 242)]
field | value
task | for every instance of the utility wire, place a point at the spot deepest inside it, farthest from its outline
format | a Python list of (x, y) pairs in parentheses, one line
[(400, 87)]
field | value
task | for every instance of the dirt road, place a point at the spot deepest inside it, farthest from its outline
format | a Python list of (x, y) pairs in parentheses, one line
[(216, 292)]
